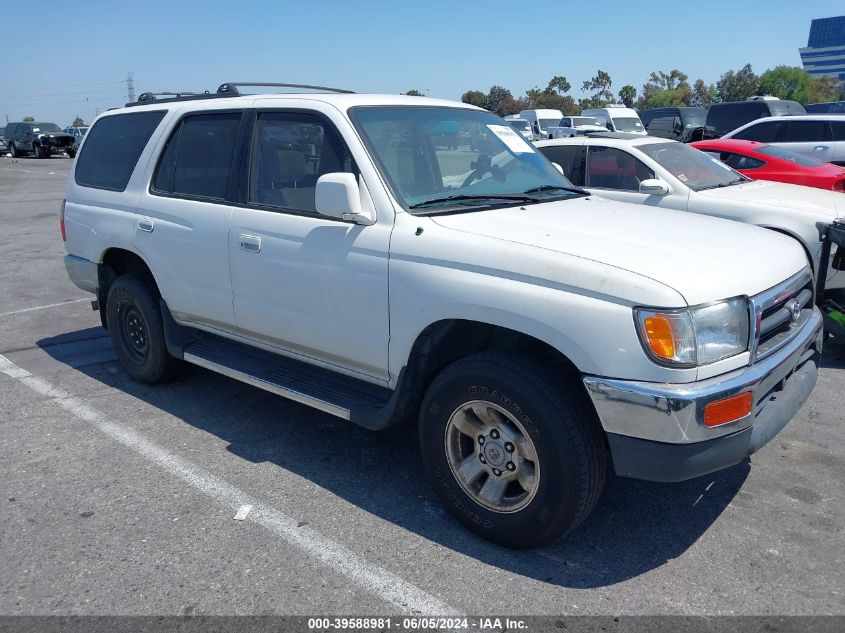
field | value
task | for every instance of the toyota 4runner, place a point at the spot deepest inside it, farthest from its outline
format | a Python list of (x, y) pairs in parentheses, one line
[(327, 247)]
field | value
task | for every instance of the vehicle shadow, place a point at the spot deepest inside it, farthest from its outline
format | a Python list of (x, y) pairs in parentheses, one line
[(833, 354), (636, 527)]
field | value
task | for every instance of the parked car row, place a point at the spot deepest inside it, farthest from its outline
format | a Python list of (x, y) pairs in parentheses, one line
[(340, 250)]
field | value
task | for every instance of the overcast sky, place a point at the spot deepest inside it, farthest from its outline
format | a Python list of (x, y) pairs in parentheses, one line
[(442, 48)]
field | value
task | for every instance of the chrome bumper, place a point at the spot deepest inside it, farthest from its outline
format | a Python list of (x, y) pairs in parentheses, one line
[(674, 413), (82, 273)]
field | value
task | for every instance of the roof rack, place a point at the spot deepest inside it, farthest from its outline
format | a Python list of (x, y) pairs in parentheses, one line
[(229, 89), (232, 87)]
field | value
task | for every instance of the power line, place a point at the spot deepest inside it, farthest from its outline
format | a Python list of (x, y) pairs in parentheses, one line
[(117, 99), (64, 94), (96, 83)]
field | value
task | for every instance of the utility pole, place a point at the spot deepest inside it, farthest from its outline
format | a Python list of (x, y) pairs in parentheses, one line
[(130, 87)]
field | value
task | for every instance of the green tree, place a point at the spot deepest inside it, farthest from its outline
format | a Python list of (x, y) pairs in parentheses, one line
[(825, 89), (737, 86), (552, 97), (600, 87), (475, 97), (627, 94), (29, 119), (414, 93), (500, 100), (703, 95), (558, 84), (786, 82), (665, 89), (78, 122)]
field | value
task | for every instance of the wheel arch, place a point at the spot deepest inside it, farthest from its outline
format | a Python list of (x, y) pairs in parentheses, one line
[(443, 342), (115, 262)]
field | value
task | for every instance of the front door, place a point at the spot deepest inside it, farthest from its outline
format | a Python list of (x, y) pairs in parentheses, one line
[(303, 282)]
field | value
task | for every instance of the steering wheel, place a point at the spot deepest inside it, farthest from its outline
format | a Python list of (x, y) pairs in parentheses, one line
[(483, 166)]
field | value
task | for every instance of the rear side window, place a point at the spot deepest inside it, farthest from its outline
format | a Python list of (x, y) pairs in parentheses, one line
[(113, 148), (806, 131), (197, 160), (766, 132), (739, 162), (838, 130), (569, 158)]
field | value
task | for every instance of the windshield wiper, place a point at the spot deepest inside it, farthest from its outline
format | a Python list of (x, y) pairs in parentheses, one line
[(556, 188), (723, 184), (474, 197)]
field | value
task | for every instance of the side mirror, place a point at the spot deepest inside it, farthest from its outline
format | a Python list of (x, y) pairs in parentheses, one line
[(338, 196), (559, 168), (654, 187)]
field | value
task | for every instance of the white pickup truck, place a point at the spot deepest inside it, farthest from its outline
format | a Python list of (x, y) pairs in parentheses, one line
[(331, 248)]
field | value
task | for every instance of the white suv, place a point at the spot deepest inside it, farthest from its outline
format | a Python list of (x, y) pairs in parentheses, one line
[(334, 248), (819, 136)]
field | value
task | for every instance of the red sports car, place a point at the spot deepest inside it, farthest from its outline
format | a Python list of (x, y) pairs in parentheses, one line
[(767, 162)]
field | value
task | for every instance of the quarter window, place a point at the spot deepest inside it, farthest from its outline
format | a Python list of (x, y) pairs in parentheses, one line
[(289, 154), (113, 148), (611, 168), (838, 130), (569, 158)]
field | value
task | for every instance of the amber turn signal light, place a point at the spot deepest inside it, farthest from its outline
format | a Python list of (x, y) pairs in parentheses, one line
[(728, 410)]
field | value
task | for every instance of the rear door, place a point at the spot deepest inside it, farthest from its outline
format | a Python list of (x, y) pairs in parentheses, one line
[(183, 215), (810, 138)]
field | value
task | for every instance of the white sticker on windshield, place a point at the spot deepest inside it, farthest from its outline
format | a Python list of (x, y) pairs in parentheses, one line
[(509, 137)]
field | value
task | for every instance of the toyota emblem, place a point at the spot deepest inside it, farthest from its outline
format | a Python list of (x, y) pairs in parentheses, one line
[(795, 310)]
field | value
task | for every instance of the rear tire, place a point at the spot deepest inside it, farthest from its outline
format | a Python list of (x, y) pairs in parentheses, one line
[(542, 438), (133, 315)]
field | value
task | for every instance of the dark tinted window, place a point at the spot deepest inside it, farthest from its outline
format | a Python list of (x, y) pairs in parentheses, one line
[(664, 124), (782, 107), (838, 130), (726, 117), (807, 131), (738, 161), (569, 158), (611, 168), (766, 132), (112, 149), (198, 158), (291, 151)]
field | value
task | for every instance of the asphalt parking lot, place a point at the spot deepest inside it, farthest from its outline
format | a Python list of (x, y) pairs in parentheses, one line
[(119, 498)]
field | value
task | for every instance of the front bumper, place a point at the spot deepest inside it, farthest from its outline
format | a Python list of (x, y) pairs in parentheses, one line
[(656, 430)]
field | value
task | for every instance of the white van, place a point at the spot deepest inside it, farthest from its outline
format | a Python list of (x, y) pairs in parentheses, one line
[(617, 118), (541, 121), (520, 126)]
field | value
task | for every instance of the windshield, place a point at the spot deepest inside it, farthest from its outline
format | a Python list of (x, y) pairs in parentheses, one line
[(694, 168), (45, 127), (627, 124), (585, 120), (694, 119), (522, 126), (430, 153), (785, 154), (545, 124)]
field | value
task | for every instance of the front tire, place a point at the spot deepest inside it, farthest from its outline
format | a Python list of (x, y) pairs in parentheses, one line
[(14, 150), (133, 315), (515, 455), (38, 151)]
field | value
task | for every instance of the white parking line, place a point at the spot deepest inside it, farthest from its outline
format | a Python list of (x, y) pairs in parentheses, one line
[(49, 305), (380, 582)]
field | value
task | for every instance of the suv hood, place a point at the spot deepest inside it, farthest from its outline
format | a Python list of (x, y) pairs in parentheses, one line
[(811, 200), (703, 258)]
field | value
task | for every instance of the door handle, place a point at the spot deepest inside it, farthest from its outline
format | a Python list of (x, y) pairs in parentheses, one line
[(146, 224), (819, 148), (250, 243)]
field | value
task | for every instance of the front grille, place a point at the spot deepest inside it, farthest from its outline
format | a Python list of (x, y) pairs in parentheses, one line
[(778, 314)]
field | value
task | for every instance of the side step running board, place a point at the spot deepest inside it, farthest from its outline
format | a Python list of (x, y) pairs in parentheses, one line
[(322, 389)]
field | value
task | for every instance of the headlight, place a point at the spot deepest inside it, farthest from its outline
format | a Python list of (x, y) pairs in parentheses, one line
[(694, 336)]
